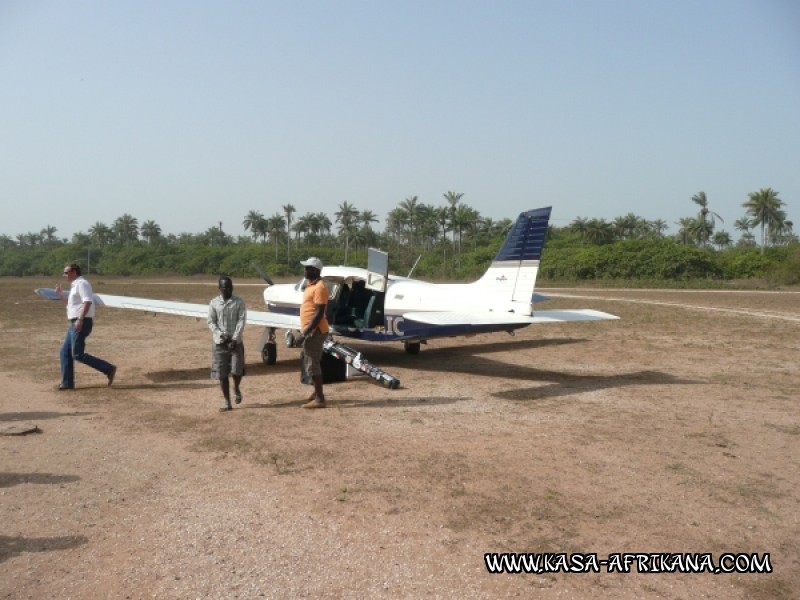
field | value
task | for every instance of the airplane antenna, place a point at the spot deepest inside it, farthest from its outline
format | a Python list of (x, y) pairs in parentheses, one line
[(415, 266)]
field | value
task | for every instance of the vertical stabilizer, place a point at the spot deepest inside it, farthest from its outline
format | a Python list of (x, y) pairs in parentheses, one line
[(512, 274)]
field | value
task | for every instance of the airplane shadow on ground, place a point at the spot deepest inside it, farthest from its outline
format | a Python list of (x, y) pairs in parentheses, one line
[(39, 416), (381, 403), (470, 359), (167, 385), (433, 355), (11, 479), (171, 376), (393, 356), (566, 384), (12, 546)]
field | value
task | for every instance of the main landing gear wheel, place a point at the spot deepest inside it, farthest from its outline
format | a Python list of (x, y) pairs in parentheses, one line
[(269, 353), (411, 347)]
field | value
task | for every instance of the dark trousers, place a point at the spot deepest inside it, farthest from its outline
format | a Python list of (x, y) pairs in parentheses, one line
[(74, 348)]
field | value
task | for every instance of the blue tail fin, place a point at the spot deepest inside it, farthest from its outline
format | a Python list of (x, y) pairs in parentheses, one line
[(512, 274), (526, 239)]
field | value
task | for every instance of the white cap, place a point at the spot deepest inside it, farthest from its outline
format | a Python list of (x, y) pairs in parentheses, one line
[(312, 262)]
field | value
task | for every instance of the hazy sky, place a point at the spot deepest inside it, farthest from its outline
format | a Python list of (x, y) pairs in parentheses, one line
[(194, 112)]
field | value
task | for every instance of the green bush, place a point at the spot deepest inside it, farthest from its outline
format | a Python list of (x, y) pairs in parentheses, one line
[(786, 271), (632, 260)]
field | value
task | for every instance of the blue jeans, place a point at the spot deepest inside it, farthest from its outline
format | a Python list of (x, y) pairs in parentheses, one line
[(74, 349)]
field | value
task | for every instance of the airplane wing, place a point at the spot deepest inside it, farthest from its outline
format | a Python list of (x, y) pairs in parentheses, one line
[(198, 311), (540, 316)]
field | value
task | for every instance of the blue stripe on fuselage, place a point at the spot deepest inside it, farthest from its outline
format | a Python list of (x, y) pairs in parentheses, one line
[(397, 329)]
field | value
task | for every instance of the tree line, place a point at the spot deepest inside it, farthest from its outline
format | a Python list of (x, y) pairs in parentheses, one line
[(454, 240)]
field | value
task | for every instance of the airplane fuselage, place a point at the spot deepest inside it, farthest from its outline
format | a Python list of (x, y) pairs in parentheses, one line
[(378, 316)]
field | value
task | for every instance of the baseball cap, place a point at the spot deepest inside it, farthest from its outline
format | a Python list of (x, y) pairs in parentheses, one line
[(312, 262)]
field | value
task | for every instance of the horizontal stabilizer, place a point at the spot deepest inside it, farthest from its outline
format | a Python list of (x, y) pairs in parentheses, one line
[(48, 293), (450, 318), (563, 316)]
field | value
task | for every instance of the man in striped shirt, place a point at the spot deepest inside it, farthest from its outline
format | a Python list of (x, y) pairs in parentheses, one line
[(226, 318)]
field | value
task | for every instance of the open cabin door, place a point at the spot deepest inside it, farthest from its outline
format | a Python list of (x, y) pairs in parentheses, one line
[(378, 269)]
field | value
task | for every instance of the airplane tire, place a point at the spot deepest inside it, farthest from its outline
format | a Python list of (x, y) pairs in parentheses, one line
[(412, 347), (269, 354)]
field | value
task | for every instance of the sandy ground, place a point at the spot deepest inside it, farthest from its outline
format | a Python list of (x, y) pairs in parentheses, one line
[(673, 430)]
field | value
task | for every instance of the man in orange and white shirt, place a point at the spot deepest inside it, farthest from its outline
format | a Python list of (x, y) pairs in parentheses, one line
[(313, 327)]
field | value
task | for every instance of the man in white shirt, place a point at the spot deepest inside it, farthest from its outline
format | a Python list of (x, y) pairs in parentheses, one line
[(80, 314)]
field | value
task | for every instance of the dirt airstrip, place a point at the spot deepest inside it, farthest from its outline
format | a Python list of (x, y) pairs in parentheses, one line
[(673, 430)]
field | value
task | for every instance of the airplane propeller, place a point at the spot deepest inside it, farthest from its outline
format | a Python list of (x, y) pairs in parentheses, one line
[(263, 275)]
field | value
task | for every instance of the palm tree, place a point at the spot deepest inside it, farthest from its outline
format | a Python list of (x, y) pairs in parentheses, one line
[(324, 223), (409, 209), (687, 230), (314, 226), (253, 222), (579, 224), (599, 231), (625, 226), (395, 225), (425, 226), (780, 229), (453, 198), (100, 233), (442, 216), (127, 228), (659, 226), (763, 207), (81, 239), (704, 230), (651, 229), (346, 216), (262, 228), (6, 242), (746, 239), (289, 210), (366, 218), (476, 227), (303, 225), (49, 234), (150, 231), (461, 220), (214, 236), (743, 225), (299, 228), (276, 225), (722, 240)]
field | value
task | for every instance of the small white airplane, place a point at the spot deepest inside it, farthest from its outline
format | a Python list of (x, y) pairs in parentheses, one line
[(372, 305)]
